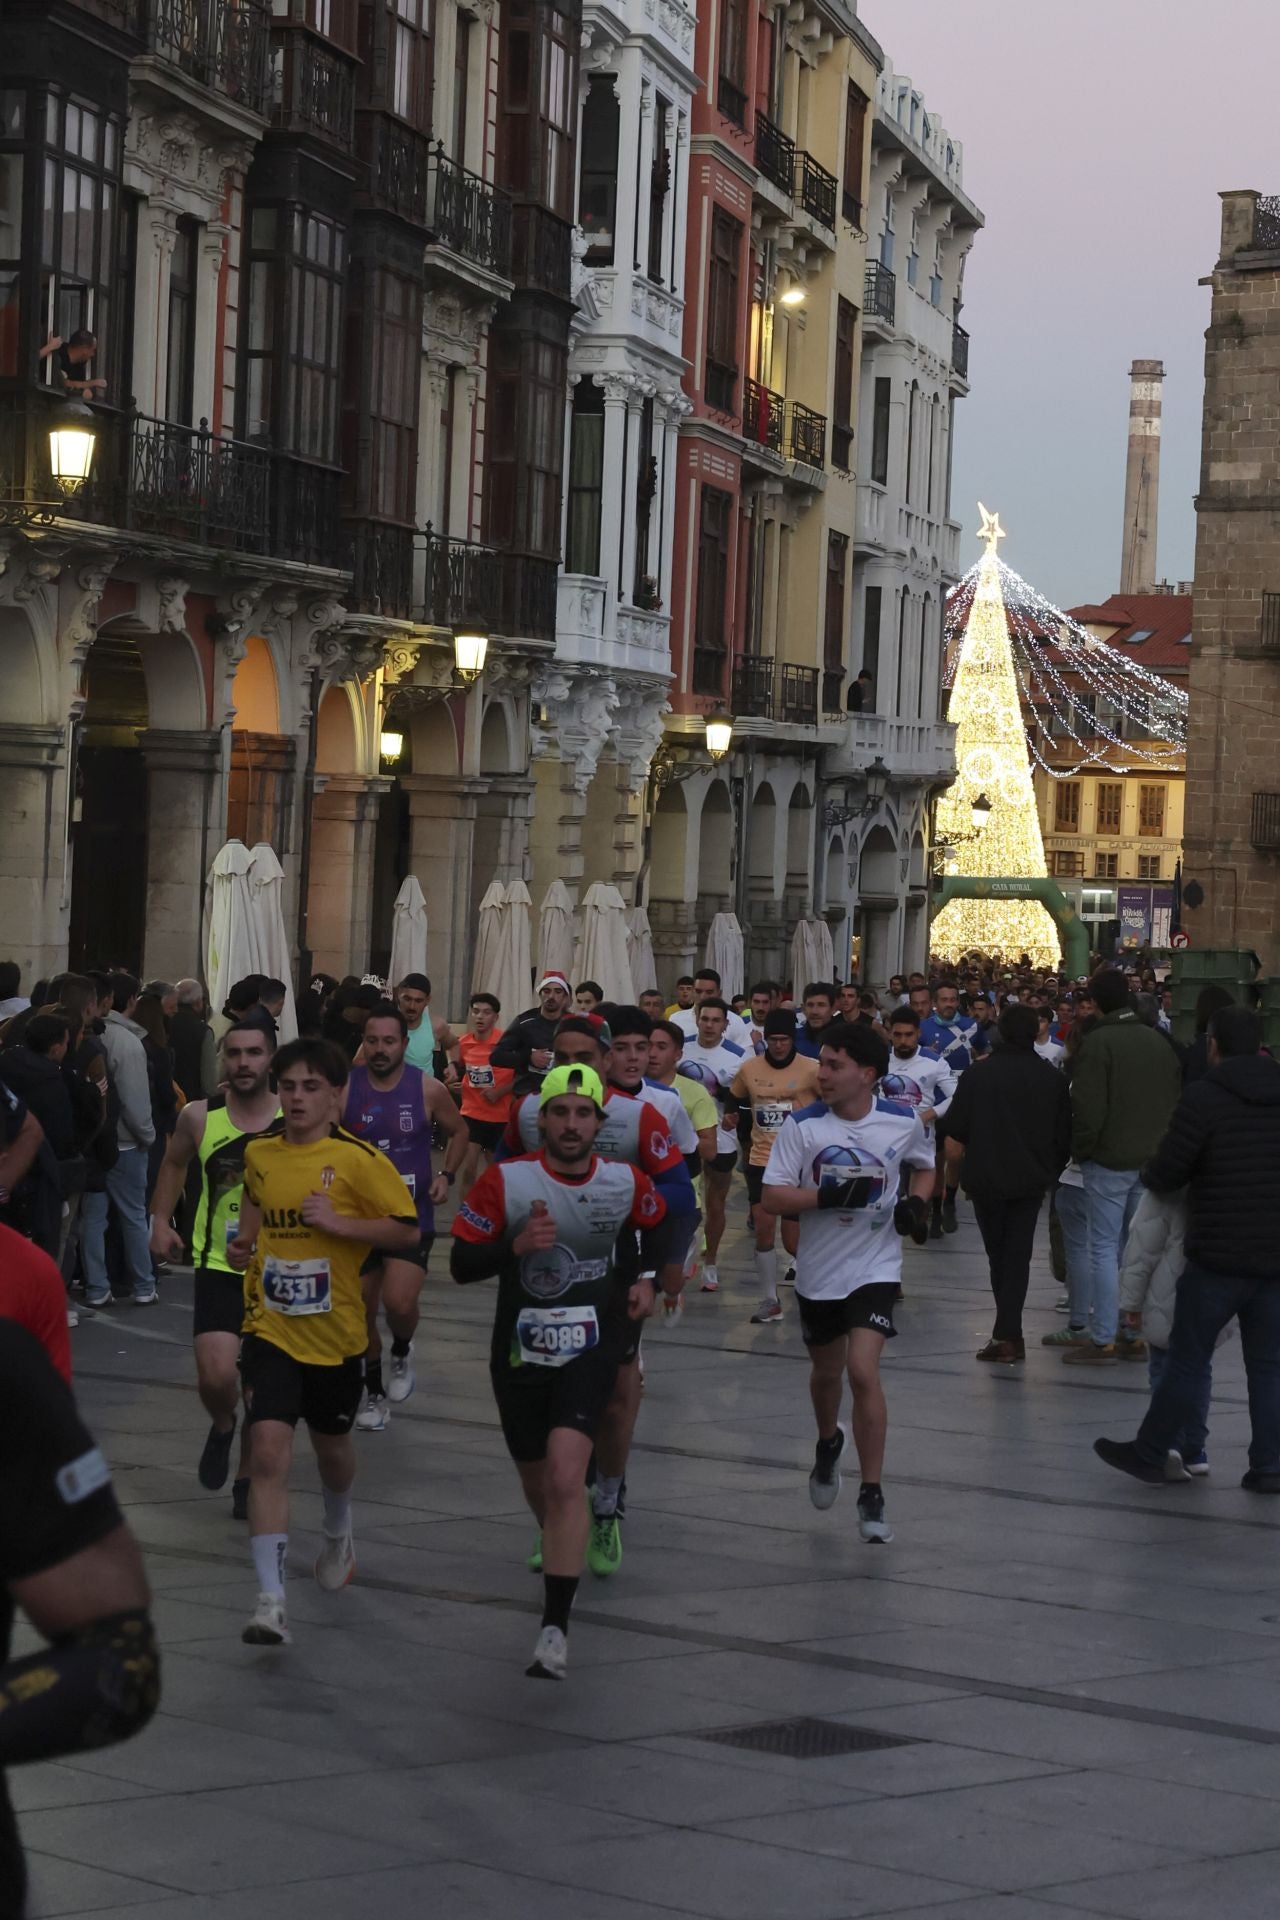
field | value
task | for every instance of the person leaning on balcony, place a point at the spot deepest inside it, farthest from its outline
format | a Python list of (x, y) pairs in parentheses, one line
[(862, 693), (73, 358)]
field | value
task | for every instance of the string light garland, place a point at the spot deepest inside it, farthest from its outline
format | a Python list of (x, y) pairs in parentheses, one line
[(1075, 688), (991, 760)]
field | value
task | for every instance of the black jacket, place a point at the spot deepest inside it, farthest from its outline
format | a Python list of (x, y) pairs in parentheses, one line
[(529, 1032), (188, 1035), (39, 1082), (1012, 1111), (1223, 1145)]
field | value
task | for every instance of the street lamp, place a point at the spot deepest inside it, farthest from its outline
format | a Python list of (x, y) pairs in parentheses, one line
[(72, 438), (876, 784), (390, 744), (980, 812), (719, 731), (470, 646)]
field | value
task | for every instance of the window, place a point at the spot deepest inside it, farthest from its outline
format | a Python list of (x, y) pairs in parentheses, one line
[(598, 192), (722, 312), (559, 113), (78, 237), (181, 349), (714, 509), (1066, 807), (871, 642), (462, 25), (833, 629), (842, 396), (1110, 810), (1066, 866), (1151, 811), (659, 185), (586, 479), (393, 396), (525, 440), (855, 120), (645, 589), (880, 432), (1148, 866), (291, 392), (12, 122), (409, 60), (538, 164), (1133, 639), (913, 258), (1106, 866), (730, 95)]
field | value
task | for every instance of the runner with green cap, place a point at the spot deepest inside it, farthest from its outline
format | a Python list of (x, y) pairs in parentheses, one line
[(558, 1228)]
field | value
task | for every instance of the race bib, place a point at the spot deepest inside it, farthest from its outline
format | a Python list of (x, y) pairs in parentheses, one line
[(550, 1336), (480, 1076), (411, 1181), (296, 1286), (770, 1119)]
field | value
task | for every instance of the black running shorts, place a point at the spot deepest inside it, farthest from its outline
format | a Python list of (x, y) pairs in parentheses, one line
[(822, 1321), (531, 1400), (723, 1163), (218, 1302), (485, 1133), (417, 1258), (278, 1387)]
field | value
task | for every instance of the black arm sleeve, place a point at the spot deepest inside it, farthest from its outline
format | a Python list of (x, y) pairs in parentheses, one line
[(468, 1262), (656, 1245), (513, 1049), (89, 1690)]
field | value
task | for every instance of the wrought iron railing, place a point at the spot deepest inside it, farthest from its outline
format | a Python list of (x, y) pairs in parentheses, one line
[(806, 435), (763, 413), (842, 448), (960, 351), (708, 670), (798, 701), (816, 190), (541, 251), (732, 101), (382, 565), (223, 44), (463, 582), (1269, 624), (720, 385), (851, 208), (399, 160), (1266, 223), (775, 153), (469, 215), (753, 687), (528, 600), (306, 511), (880, 292), (1264, 826), (313, 88)]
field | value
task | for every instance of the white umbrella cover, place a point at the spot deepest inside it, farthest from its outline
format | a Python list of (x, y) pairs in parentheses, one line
[(230, 944), (555, 933), (725, 953), (644, 971), (484, 970), (408, 932), (512, 975), (602, 947), (266, 904), (812, 954)]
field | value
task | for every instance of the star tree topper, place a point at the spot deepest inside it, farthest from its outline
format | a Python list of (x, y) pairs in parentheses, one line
[(990, 531)]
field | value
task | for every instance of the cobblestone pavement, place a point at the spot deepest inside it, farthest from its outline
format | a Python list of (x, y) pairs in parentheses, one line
[(1080, 1677)]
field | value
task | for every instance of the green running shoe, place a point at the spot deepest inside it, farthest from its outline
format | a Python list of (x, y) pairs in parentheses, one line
[(604, 1544), (534, 1562)]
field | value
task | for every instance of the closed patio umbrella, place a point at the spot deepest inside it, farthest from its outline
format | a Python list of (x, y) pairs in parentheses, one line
[(408, 932), (484, 969), (644, 971), (725, 953), (230, 947), (555, 932), (266, 905), (812, 954), (512, 981), (602, 945)]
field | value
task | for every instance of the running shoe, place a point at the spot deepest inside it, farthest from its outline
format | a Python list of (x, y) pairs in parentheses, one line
[(240, 1499), (73, 1318), (604, 1545), (336, 1562), (824, 1479), (215, 1461), (534, 1561), (672, 1309), (710, 1279), (267, 1627), (402, 1378), (872, 1525), (789, 1277), (375, 1414), (1174, 1470), (767, 1312), (935, 1226), (550, 1656), (1256, 1480), (949, 1221)]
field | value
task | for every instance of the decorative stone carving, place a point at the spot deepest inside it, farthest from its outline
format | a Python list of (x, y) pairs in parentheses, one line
[(399, 657), (637, 729), (171, 609), (80, 609), (579, 709), (508, 673)]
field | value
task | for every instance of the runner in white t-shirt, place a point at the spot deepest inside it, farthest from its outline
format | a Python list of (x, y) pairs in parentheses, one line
[(706, 986), (713, 1061), (837, 1164)]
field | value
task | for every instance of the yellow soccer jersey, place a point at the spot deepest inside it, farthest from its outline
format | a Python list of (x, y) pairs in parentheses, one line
[(773, 1093), (302, 1289)]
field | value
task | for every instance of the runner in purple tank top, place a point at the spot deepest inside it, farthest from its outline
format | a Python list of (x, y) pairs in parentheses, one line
[(396, 1107)]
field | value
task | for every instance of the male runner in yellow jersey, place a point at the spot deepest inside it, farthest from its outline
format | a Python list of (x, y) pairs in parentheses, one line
[(773, 1085), (317, 1202)]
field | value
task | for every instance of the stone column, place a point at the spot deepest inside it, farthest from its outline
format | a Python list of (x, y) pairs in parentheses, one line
[(183, 835), (344, 823), (157, 225), (441, 854), (34, 868), (630, 488), (612, 506)]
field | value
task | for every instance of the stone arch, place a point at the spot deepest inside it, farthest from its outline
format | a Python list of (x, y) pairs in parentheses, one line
[(255, 691), (917, 871), (835, 876), (337, 737), (799, 836), (26, 701), (763, 839), (878, 866), (715, 842), (669, 845), (496, 734), (175, 681), (434, 741)]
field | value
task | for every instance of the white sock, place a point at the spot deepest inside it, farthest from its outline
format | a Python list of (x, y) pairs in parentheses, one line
[(604, 1495), (269, 1551), (767, 1272), (337, 1512)]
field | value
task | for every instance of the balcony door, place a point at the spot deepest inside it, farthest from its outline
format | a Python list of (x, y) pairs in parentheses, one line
[(180, 363)]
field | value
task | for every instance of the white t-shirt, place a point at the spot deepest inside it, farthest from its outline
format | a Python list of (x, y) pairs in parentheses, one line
[(684, 1134), (1051, 1051), (714, 1068), (842, 1251), (921, 1081), (736, 1028)]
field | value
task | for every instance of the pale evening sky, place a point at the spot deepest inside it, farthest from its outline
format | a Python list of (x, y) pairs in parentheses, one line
[(1097, 137)]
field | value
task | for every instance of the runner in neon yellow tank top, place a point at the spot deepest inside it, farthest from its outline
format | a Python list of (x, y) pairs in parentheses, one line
[(214, 1133)]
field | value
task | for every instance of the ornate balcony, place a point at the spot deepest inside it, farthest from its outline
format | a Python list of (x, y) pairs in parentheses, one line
[(806, 435), (399, 162), (798, 696), (541, 251), (833, 679), (220, 45), (752, 697), (468, 215), (775, 153), (732, 101), (763, 413), (527, 608), (880, 293), (382, 563), (959, 352), (708, 670), (306, 511), (815, 190), (912, 750), (463, 581), (313, 88), (769, 689)]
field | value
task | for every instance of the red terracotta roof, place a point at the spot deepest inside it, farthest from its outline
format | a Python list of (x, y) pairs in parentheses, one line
[(1164, 617)]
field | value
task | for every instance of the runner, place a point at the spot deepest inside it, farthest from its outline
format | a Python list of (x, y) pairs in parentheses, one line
[(957, 1040), (398, 1108), (771, 1086), (429, 1035), (633, 1130), (916, 1078), (316, 1202), (215, 1133), (666, 1043), (559, 1229), (68, 1560), (526, 1045), (632, 1031), (836, 1164), (706, 986), (713, 1061), (486, 1089)]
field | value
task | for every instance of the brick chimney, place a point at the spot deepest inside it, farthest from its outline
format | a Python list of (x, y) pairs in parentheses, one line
[(1142, 478)]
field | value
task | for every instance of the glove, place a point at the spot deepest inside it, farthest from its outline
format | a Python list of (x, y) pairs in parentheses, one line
[(911, 1216), (841, 1193)]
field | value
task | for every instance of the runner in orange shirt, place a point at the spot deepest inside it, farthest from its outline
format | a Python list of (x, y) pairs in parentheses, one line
[(486, 1089), (773, 1084)]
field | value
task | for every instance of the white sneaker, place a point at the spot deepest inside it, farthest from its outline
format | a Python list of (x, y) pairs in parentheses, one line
[(710, 1279), (402, 1379), (766, 1313), (267, 1627), (73, 1318), (375, 1414), (336, 1562), (672, 1308), (550, 1656)]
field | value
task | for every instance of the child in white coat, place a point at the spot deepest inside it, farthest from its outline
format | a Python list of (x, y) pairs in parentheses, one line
[(1149, 1274)]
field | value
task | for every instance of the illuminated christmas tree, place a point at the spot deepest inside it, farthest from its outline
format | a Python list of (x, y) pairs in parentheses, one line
[(993, 767)]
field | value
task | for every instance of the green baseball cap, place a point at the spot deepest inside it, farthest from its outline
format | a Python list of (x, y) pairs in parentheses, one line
[(572, 1079)]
